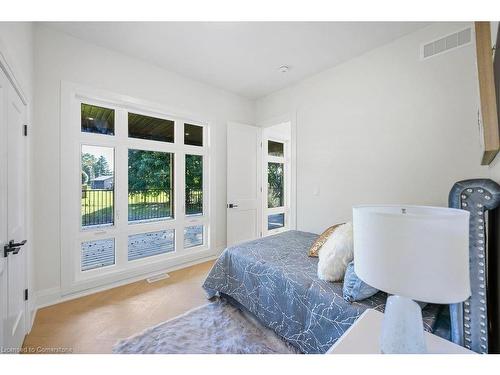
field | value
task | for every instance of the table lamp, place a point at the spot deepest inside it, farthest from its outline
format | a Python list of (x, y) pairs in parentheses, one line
[(413, 253)]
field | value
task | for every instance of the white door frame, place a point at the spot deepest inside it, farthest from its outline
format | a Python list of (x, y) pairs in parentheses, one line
[(292, 169), (30, 305)]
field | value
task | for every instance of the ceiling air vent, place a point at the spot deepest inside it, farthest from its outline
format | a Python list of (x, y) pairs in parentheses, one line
[(447, 43)]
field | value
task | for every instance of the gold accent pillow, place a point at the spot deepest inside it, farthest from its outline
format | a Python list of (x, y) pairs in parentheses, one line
[(320, 241)]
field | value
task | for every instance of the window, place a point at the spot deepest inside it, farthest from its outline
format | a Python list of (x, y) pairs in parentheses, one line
[(142, 180), (98, 120), (194, 184), (152, 128), (275, 149), (275, 185), (98, 194), (150, 185), (275, 221), (148, 244), (193, 236), (97, 254), (193, 135), (276, 190)]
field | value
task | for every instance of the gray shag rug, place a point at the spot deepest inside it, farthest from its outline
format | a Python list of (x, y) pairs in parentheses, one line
[(214, 328)]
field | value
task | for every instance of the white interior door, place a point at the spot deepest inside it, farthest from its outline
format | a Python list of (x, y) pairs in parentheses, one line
[(243, 183), (13, 258), (3, 204)]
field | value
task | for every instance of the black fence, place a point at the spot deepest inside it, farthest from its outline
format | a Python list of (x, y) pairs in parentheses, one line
[(194, 202), (150, 204), (98, 205)]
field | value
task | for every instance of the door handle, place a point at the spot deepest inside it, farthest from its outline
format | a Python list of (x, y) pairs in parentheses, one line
[(232, 205), (12, 247)]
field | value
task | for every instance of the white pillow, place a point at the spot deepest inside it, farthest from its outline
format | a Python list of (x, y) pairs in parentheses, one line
[(336, 253)]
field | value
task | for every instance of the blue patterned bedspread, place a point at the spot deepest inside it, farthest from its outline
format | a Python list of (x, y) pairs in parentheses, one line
[(274, 279)]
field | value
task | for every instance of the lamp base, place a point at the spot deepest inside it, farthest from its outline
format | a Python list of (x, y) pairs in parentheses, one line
[(402, 328)]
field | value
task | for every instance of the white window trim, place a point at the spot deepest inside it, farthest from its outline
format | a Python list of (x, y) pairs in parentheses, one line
[(72, 279)]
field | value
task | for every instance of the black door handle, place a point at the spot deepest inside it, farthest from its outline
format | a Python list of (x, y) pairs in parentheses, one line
[(12, 247), (232, 205)]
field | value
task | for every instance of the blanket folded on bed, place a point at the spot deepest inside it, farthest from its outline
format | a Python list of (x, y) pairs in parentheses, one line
[(274, 279)]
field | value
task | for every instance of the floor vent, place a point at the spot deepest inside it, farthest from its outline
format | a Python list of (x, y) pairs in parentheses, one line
[(158, 277), (447, 43)]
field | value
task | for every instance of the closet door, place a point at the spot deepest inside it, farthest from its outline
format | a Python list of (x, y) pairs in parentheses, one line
[(243, 183)]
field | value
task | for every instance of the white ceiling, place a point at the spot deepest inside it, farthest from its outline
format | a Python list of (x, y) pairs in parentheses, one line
[(242, 57)]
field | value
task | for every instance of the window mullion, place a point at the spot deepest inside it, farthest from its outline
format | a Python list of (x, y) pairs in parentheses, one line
[(121, 187), (179, 183), (205, 187)]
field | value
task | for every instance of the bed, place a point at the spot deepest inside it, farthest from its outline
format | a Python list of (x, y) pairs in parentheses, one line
[(275, 280)]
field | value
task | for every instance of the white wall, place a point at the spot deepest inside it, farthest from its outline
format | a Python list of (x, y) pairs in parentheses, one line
[(61, 57), (16, 42), (385, 127), (494, 30)]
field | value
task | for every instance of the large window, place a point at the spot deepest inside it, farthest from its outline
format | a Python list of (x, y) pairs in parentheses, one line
[(142, 186)]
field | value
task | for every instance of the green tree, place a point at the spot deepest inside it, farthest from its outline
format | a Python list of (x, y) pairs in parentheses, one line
[(194, 172), (101, 167), (93, 167), (85, 178), (275, 183), (149, 170), (88, 165)]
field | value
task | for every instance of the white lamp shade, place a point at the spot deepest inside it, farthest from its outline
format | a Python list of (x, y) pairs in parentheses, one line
[(416, 252)]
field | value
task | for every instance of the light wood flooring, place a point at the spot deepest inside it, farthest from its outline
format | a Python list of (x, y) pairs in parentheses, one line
[(94, 323)]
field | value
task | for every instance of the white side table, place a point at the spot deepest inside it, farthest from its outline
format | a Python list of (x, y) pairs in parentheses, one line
[(363, 337)]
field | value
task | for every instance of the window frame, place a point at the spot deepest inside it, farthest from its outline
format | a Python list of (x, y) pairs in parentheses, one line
[(72, 232)]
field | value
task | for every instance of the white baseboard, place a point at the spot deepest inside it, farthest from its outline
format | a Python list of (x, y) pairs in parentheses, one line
[(47, 297), (53, 296), (32, 310)]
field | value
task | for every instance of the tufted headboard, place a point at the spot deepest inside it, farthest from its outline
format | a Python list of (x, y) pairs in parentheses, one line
[(475, 323)]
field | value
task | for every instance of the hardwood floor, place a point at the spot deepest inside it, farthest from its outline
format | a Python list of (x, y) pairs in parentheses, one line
[(94, 323)]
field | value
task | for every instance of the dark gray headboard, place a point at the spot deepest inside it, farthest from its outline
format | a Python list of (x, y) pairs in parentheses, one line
[(475, 322)]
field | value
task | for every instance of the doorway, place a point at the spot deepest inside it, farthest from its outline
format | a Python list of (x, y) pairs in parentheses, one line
[(260, 181)]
